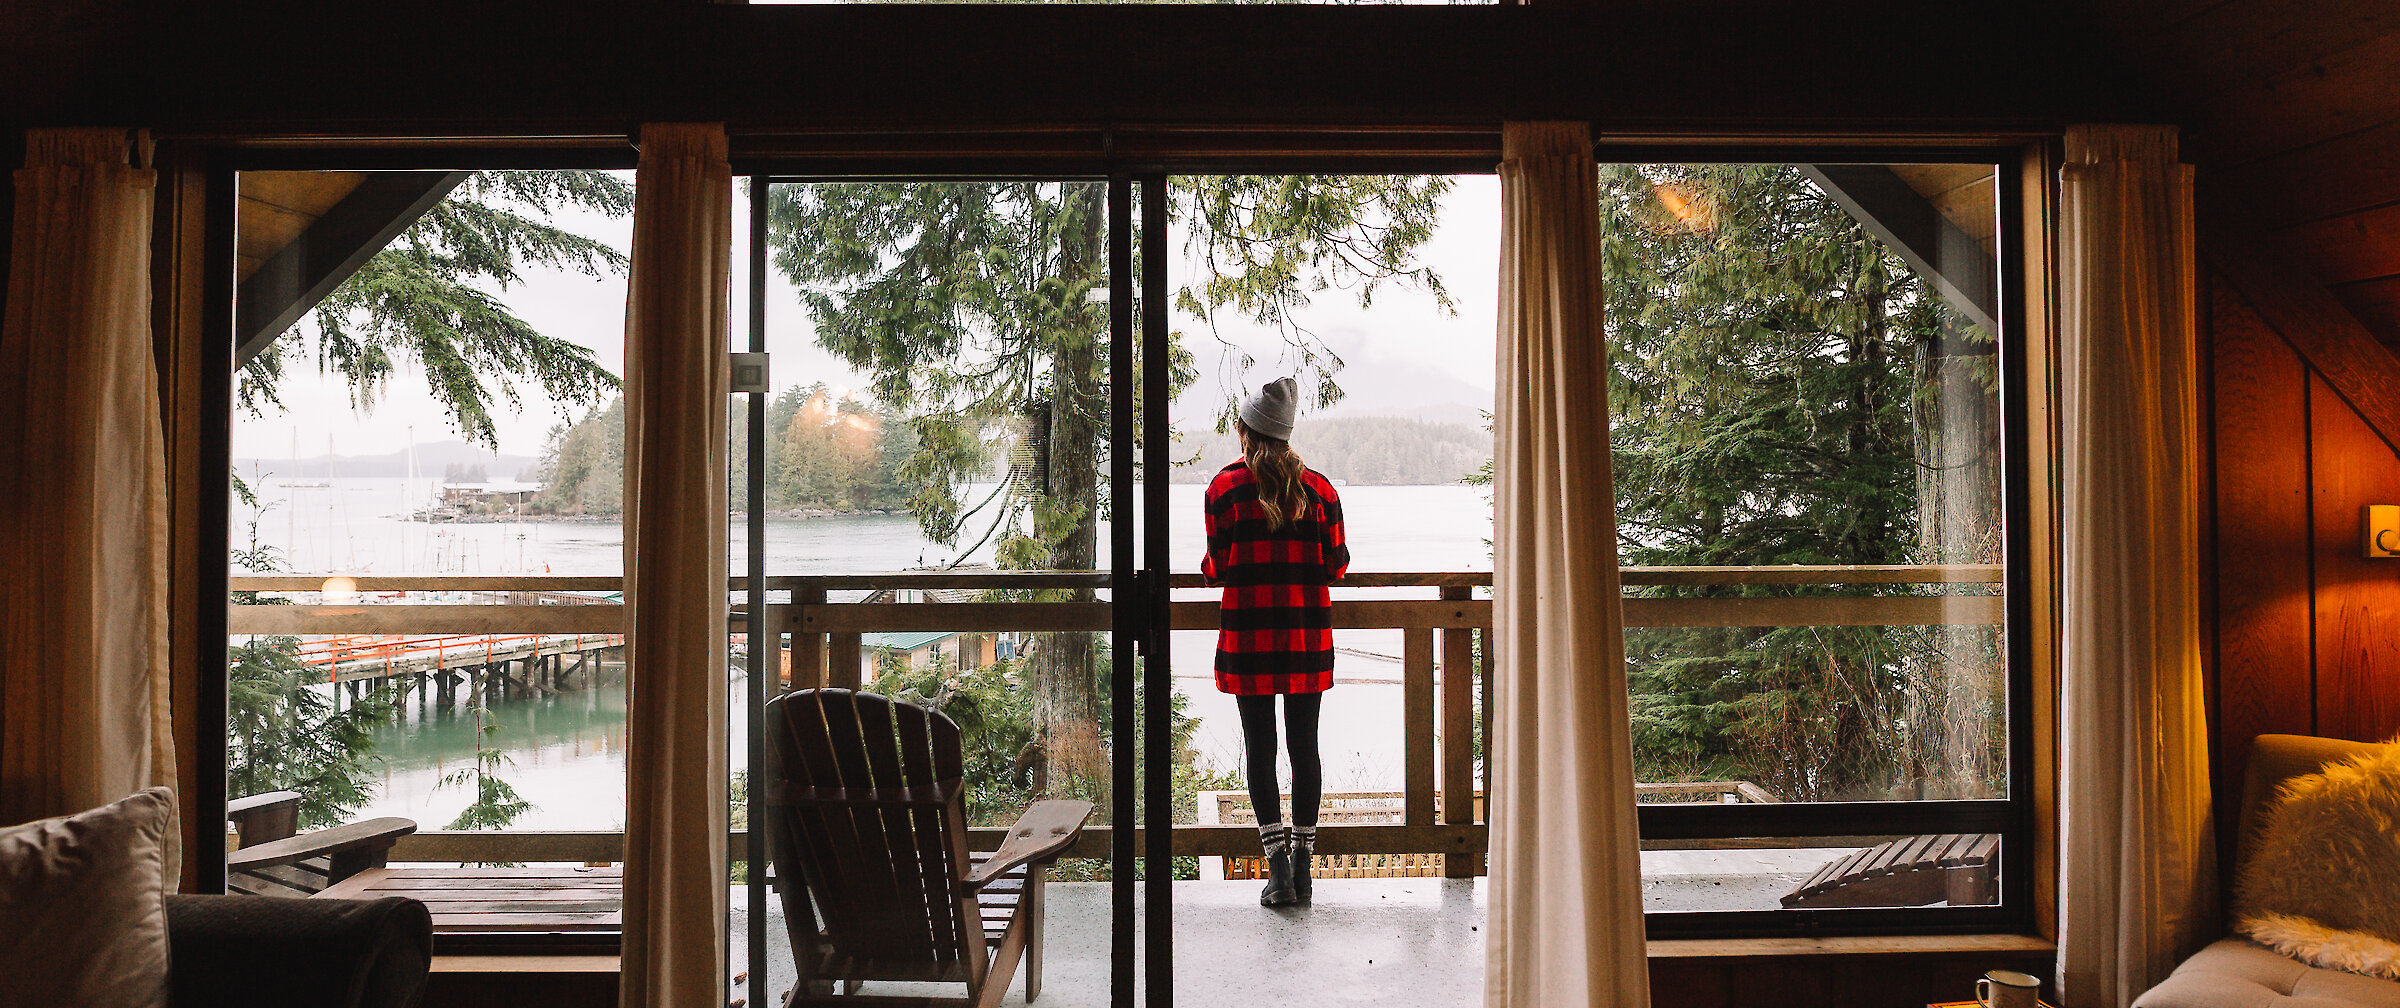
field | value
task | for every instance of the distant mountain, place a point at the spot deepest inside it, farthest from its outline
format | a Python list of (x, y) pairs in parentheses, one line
[(432, 462), (1371, 387), (1365, 450)]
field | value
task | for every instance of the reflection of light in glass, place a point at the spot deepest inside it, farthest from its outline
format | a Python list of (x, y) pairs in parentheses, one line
[(1688, 209), (339, 590)]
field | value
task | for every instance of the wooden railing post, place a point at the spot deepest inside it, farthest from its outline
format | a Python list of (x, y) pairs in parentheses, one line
[(1486, 810), (1458, 734), (808, 643), (1416, 730), (844, 656)]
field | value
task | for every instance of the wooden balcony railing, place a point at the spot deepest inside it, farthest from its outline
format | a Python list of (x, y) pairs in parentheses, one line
[(1438, 710)]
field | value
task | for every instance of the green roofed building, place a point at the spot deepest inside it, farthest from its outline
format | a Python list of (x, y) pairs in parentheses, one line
[(965, 650)]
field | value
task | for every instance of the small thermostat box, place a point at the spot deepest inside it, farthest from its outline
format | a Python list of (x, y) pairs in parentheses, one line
[(750, 373), (2383, 530)]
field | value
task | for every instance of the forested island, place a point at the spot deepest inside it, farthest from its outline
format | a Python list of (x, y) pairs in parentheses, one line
[(838, 455), (826, 454)]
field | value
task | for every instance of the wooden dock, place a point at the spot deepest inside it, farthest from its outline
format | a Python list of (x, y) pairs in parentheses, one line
[(355, 658)]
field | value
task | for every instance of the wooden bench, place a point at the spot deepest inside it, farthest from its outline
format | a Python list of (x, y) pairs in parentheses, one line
[(560, 908), (1959, 868)]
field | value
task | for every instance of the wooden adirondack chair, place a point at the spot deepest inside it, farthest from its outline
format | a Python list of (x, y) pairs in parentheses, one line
[(276, 859), (866, 822)]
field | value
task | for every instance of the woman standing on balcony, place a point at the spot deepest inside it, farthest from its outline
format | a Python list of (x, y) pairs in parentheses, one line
[(1275, 541)]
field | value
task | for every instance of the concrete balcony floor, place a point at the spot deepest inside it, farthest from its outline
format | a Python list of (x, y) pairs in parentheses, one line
[(1391, 942), (1396, 942)]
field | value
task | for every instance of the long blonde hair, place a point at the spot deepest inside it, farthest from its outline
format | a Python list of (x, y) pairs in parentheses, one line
[(1281, 493)]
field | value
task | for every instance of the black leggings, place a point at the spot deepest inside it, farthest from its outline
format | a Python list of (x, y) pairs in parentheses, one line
[(1308, 771)]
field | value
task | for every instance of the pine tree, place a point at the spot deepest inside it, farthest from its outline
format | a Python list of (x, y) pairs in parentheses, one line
[(583, 466), (495, 804), (433, 296)]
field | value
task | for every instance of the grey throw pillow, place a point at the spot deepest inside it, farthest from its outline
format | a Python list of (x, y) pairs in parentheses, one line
[(81, 919)]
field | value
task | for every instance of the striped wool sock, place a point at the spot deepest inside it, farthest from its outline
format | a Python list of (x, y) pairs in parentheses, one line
[(1276, 839), (1304, 840)]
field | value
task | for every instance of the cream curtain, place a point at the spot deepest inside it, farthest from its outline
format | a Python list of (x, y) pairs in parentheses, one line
[(2136, 873), (84, 699), (1566, 908), (675, 583)]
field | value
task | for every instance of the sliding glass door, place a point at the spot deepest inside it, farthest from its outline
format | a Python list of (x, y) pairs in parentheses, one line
[(933, 485)]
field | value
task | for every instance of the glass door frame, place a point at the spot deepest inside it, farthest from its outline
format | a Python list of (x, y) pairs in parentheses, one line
[(1158, 792), (1136, 584), (1138, 202)]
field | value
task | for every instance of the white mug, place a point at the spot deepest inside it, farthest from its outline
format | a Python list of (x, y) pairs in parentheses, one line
[(2006, 989)]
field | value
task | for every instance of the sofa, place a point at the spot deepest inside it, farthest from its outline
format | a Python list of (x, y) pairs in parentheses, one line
[(84, 920), (242, 951), (2238, 973)]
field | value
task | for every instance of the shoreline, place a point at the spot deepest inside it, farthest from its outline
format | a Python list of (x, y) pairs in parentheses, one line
[(788, 514)]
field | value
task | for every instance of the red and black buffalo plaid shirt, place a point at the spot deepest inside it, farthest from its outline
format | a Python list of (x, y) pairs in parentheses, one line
[(1276, 623)]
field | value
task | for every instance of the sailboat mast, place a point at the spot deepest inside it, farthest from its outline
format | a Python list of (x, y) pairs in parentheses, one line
[(408, 508), (291, 514)]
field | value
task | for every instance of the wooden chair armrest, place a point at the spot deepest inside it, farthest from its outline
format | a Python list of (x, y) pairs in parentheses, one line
[(1043, 833), (236, 808), (373, 834)]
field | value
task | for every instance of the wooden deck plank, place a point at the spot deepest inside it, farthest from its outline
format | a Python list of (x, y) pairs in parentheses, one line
[(456, 892), (1967, 849), (534, 870), (427, 871), (465, 924), (1910, 852), (1985, 845), (530, 907), (1884, 857), (465, 901)]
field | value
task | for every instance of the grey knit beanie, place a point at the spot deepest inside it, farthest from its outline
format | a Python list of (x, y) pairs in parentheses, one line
[(1273, 409)]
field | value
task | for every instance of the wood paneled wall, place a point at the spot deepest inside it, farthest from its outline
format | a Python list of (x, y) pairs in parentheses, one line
[(2307, 629)]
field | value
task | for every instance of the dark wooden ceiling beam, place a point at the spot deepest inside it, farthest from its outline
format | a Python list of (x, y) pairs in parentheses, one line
[(2309, 100), (2333, 341), (297, 279), (2320, 181), (1908, 223), (535, 69)]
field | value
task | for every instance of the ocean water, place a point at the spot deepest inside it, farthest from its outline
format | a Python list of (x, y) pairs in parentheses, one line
[(566, 753)]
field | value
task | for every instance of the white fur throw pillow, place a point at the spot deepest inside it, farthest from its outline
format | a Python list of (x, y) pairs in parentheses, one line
[(2323, 881)]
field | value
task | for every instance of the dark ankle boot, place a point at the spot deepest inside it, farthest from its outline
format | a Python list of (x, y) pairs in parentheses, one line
[(1275, 841), (1304, 846)]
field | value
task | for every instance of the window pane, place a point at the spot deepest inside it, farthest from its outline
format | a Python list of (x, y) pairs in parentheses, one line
[(937, 440), (1805, 407), (427, 553)]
